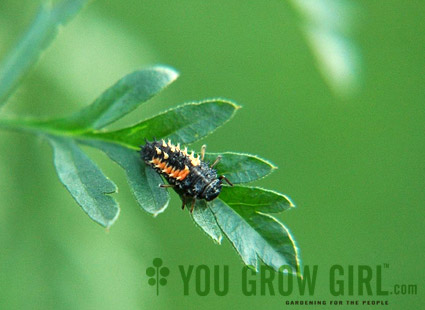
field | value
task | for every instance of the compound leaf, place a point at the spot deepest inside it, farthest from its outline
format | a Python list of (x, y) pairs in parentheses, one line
[(185, 124), (204, 218), (121, 98), (241, 168), (143, 180), (259, 199), (85, 181), (256, 235)]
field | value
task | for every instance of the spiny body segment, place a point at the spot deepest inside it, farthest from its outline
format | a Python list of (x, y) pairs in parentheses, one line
[(186, 173)]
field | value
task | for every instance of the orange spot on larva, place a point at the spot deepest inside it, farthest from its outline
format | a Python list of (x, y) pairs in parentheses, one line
[(161, 165), (169, 170), (174, 173), (183, 174)]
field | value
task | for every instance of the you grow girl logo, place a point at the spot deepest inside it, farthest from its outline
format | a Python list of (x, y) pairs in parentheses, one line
[(350, 280), (157, 274)]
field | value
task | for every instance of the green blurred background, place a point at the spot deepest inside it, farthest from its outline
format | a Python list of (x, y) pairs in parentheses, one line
[(332, 93)]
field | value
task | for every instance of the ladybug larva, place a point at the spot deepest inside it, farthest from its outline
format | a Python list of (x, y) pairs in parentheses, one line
[(188, 175)]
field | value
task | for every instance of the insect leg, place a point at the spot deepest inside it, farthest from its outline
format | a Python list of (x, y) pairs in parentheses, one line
[(222, 177), (166, 185), (193, 204), (183, 201), (216, 161), (203, 148)]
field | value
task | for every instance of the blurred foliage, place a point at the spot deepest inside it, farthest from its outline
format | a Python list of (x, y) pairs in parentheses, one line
[(353, 164), (328, 29), (39, 35)]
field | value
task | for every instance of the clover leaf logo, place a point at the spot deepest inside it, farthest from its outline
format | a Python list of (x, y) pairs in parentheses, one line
[(157, 274)]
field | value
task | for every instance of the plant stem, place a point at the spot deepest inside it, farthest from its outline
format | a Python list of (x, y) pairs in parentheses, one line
[(52, 127), (23, 124)]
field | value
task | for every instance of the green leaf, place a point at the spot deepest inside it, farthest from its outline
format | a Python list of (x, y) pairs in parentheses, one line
[(259, 199), (121, 98), (38, 37), (143, 180), (256, 235), (204, 218), (185, 124), (85, 181), (241, 168)]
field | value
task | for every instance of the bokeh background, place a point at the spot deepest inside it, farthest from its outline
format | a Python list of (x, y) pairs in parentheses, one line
[(332, 93)]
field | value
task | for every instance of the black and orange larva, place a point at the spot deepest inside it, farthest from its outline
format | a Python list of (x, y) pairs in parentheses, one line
[(187, 174)]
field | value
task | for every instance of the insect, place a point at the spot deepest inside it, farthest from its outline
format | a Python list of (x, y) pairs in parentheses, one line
[(188, 175)]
